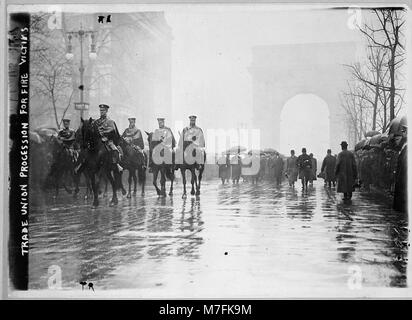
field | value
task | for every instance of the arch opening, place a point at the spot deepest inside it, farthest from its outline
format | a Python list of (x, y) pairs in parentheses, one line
[(304, 122)]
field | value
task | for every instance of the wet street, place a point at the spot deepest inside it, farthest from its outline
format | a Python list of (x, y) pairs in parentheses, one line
[(234, 240)]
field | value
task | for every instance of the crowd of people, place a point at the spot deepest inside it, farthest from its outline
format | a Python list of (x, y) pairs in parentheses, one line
[(380, 167), (275, 167)]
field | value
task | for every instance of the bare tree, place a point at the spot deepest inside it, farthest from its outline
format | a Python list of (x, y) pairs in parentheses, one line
[(358, 113), (51, 75), (386, 33)]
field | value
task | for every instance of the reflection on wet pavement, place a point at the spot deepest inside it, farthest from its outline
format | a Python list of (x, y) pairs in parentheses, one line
[(245, 237)]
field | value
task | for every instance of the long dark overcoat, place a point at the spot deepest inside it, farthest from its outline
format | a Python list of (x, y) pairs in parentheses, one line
[(346, 172), (328, 167)]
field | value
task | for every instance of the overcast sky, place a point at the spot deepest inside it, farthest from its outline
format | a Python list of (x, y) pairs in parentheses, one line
[(212, 52)]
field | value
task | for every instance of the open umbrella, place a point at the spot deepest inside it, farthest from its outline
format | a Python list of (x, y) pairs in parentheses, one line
[(35, 137), (378, 141), (47, 132), (256, 151), (235, 150), (270, 150), (360, 145), (395, 126), (371, 133)]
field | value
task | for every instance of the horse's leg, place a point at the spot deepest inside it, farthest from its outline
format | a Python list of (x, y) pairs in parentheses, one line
[(163, 182), (200, 179), (89, 188), (112, 181), (129, 180), (95, 189), (76, 180), (155, 174), (134, 181), (105, 186), (142, 174), (56, 187), (172, 179), (193, 181), (119, 181), (183, 172), (56, 179), (64, 177)]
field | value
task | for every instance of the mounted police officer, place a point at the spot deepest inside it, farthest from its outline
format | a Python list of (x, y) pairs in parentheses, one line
[(133, 135), (193, 133), (109, 134), (66, 137), (165, 137)]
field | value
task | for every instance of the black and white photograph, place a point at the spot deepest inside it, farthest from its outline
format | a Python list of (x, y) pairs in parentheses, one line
[(207, 151)]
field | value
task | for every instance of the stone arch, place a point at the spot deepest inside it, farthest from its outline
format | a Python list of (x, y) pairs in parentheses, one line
[(280, 72), (295, 127)]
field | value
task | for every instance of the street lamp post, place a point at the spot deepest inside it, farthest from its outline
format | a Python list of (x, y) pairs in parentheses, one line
[(80, 34)]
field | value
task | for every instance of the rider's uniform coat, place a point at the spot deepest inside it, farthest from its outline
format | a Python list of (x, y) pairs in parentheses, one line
[(108, 130), (134, 137), (195, 135), (165, 135), (67, 136)]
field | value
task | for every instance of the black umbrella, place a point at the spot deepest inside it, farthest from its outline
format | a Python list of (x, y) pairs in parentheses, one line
[(235, 150), (270, 150)]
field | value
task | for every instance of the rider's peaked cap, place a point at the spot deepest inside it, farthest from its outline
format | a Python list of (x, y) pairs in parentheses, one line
[(131, 118), (66, 120), (159, 119), (344, 143), (105, 106)]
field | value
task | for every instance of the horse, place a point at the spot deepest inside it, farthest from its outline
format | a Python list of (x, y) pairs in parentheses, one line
[(134, 160), (197, 164), (62, 166), (166, 169), (98, 161)]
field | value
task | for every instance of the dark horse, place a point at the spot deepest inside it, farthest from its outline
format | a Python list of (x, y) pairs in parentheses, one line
[(167, 170), (62, 167), (98, 161), (134, 160), (193, 159)]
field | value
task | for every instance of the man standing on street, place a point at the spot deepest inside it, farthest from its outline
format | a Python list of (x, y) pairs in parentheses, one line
[(292, 169), (328, 168), (345, 171), (304, 164), (278, 169)]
